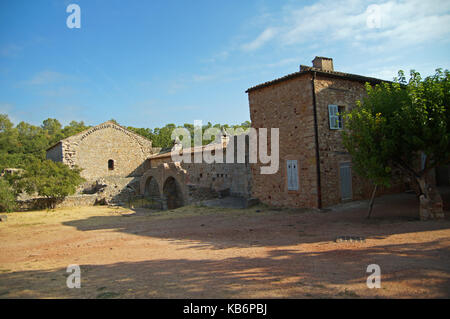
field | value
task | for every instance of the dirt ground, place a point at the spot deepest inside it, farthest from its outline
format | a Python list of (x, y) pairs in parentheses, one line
[(199, 252)]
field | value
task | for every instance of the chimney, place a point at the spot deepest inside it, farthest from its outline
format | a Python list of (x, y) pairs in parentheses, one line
[(224, 137), (322, 63)]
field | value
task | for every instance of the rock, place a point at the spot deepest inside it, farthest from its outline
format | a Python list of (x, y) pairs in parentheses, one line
[(3, 218), (351, 239)]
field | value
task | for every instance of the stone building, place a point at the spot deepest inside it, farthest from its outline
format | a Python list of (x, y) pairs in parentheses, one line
[(172, 184), (104, 150), (315, 169), (119, 164)]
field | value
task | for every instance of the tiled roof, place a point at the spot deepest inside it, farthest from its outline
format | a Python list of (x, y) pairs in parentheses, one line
[(307, 69), (191, 150)]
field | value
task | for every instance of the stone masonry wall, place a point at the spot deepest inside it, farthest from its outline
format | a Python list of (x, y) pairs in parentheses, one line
[(235, 177), (288, 106), (91, 150), (55, 153), (343, 93)]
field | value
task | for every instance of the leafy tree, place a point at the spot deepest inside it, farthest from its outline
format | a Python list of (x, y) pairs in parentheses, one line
[(7, 197), (52, 126), (5, 123), (49, 179), (73, 128), (403, 126)]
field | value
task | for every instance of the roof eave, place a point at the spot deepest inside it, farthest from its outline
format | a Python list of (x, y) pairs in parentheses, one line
[(347, 76)]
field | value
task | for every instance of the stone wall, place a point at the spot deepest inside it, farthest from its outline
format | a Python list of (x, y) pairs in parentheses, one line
[(69, 201), (104, 191), (195, 181), (343, 93), (55, 153), (288, 106), (92, 150), (233, 177)]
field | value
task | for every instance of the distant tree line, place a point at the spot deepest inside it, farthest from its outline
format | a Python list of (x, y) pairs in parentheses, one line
[(161, 137)]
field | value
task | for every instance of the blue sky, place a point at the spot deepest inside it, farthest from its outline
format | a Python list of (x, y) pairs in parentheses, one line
[(149, 63)]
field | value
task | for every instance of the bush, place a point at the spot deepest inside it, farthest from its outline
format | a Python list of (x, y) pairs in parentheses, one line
[(49, 179), (7, 198)]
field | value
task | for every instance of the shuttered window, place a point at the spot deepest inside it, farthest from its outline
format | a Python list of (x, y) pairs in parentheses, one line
[(292, 175), (335, 117)]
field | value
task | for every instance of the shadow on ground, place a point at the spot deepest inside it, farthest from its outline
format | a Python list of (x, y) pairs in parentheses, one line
[(283, 273), (219, 229)]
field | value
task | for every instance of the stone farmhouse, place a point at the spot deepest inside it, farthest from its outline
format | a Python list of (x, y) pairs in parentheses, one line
[(315, 170), (107, 149), (118, 163)]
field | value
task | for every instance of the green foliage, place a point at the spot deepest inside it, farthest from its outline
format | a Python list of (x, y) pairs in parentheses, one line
[(398, 121), (161, 137), (49, 179), (7, 197)]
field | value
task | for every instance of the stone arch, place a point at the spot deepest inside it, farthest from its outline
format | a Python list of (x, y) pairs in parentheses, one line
[(161, 175), (152, 193), (173, 193)]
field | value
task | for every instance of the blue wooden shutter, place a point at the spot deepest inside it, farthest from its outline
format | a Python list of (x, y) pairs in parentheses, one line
[(292, 174), (333, 111)]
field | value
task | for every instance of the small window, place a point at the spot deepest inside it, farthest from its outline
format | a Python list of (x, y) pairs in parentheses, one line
[(335, 115), (111, 165), (292, 175)]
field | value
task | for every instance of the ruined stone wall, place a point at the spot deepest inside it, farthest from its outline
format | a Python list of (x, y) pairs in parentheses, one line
[(343, 93), (55, 153), (288, 106), (234, 177), (91, 150)]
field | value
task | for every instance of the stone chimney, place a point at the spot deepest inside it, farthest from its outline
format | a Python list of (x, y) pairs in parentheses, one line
[(224, 137), (325, 64)]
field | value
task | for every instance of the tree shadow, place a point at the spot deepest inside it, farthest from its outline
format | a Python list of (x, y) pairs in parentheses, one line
[(407, 270), (256, 227)]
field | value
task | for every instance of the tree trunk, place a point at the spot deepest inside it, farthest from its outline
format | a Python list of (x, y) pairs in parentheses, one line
[(372, 199), (430, 206)]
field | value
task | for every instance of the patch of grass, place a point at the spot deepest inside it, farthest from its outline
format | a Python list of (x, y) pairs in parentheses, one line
[(25, 225), (348, 293), (107, 295)]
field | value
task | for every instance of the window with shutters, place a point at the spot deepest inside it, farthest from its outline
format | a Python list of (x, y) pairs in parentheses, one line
[(335, 115), (292, 175)]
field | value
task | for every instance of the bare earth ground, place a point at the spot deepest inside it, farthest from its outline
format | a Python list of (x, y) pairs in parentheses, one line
[(199, 252)]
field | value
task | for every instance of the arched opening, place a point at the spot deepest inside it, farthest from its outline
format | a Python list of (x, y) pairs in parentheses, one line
[(172, 193), (111, 165), (152, 194)]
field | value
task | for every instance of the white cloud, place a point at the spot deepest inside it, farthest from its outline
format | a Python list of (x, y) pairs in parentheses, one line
[(267, 35), (402, 23)]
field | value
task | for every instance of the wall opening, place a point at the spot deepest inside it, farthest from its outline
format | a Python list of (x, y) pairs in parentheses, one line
[(111, 165), (172, 193), (151, 194)]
